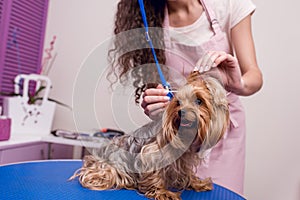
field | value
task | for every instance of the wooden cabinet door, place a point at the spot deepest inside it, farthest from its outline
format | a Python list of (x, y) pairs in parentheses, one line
[(60, 151), (38, 151)]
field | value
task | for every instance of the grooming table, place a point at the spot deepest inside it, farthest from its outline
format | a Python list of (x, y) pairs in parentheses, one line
[(48, 180)]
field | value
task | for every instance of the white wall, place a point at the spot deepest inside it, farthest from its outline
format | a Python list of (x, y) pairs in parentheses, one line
[(273, 136), (272, 114), (83, 29)]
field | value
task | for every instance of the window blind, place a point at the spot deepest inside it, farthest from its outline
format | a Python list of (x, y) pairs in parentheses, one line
[(22, 30)]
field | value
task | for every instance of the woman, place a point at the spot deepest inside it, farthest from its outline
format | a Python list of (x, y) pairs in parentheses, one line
[(220, 38)]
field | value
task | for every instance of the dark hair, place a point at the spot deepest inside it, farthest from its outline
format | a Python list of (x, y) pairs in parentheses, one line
[(127, 55)]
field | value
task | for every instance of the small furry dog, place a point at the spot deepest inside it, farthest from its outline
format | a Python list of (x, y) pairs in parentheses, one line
[(159, 159)]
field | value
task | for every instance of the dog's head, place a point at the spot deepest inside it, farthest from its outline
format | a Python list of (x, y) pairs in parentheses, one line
[(198, 115)]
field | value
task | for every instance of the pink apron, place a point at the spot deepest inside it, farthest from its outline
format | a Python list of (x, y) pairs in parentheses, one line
[(226, 162)]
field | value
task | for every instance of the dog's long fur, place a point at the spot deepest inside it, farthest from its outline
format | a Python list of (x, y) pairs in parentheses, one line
[(160, 158)]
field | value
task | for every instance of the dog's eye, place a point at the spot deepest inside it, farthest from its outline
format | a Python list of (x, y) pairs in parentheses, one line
[(198, 101), (178, 102)]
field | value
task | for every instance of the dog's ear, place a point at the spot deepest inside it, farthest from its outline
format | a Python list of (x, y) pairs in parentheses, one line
[(220, 116)]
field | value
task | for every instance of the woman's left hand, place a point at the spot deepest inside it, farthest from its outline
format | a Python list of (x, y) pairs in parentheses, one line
[(228, 67)]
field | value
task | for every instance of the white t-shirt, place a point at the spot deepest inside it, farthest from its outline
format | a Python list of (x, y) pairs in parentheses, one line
[(228, 12)]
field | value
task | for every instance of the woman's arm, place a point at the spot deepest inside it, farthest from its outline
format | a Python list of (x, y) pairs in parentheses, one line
[(242, 40), (239, 74)]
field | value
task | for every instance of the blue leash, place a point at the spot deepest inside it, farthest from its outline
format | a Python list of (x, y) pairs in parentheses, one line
[(161, 75)]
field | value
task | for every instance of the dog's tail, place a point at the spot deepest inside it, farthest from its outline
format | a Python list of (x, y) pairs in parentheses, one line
[(97, 174)]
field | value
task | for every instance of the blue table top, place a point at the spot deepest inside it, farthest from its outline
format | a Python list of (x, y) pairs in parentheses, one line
[(45, 180)]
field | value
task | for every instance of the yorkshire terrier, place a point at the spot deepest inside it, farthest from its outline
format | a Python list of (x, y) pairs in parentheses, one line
[(160, 158)]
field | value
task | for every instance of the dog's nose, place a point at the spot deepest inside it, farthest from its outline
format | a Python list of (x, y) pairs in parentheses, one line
[(181, 113)]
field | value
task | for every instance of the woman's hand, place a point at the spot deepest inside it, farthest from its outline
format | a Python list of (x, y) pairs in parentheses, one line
[(154, 101), (227, 66)]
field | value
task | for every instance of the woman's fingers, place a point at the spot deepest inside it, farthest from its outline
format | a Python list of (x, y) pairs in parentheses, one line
[(155, 92), (154, 95), (210, 60), (153, 110), (154, 101), (220, 59), (148, 100), (202, 63), (230, 60)]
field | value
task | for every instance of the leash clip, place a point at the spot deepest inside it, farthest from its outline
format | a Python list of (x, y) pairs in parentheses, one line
[(147, 36), (170, 94)]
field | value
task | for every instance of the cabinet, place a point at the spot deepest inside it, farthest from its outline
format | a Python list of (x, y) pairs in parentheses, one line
[(60, 151), (34, 151)]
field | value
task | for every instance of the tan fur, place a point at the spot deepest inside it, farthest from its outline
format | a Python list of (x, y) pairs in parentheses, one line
[(163, 154)]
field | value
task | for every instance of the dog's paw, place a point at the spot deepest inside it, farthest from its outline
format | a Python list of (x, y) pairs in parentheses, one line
[(201, 185), (167, 195)]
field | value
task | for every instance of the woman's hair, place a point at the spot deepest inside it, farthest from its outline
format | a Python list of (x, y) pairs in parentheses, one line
[(130, 57)]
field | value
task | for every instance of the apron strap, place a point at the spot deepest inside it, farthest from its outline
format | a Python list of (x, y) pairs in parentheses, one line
[(211, 16), (165, 26)]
